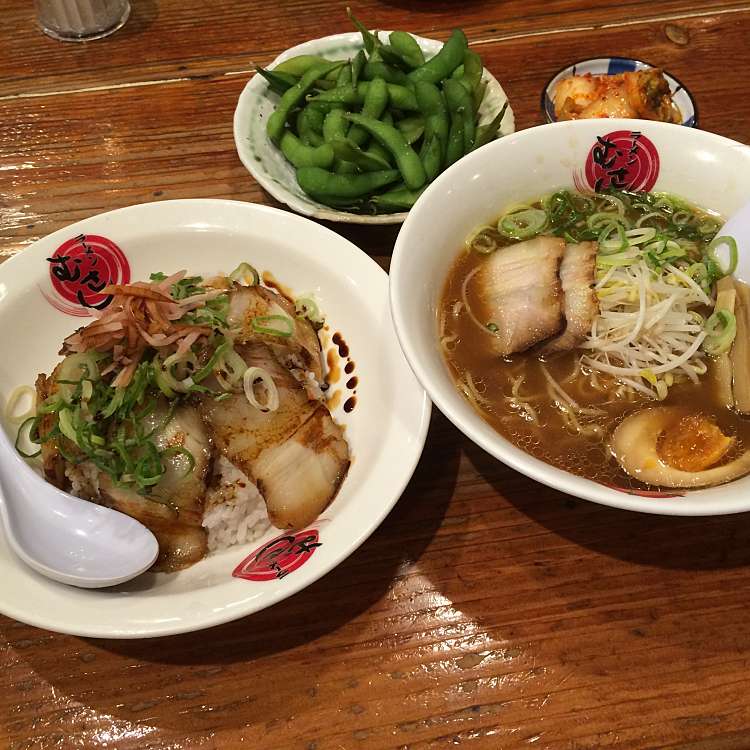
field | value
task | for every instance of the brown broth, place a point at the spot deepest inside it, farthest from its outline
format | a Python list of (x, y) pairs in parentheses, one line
[(551, 440)]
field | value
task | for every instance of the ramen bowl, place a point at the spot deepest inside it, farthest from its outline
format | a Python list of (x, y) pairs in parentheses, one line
[(708, 170)]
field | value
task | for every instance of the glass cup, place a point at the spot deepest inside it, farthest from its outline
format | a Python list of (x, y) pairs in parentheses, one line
[(81, 20)]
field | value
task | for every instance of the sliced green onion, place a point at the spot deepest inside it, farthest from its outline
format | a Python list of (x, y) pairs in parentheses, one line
[(680, 218), (116, 402), (33, 423), (721, 329), (652, 215), (245, 274), (711, 253), (639, 235), (208, 368), (307, 307), (481, 242), (65, 421), (285, 325), (492, 327), (233, 365), (607, 245), (614, 201), (179, 450), (254, 375), (602, 219), (522, 224)]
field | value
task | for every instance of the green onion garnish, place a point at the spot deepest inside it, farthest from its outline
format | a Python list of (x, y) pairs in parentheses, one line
[(273, 325), (721, 329)]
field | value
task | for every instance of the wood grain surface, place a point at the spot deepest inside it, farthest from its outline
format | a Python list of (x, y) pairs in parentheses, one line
[(487, 611)]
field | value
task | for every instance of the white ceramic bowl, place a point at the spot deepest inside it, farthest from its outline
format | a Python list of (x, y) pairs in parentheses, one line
[(711, 171), (386, 430), (267, 164)]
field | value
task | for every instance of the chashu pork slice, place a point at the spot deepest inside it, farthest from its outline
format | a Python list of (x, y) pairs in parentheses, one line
[(296, 455), (241, 431), (580, 306), (173, 510), (300, 350), (519, 291)]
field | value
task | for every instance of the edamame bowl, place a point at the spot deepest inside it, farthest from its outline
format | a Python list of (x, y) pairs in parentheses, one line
[(267, 164)]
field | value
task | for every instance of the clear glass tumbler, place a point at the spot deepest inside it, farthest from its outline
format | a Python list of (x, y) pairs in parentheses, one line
[(81, 20)]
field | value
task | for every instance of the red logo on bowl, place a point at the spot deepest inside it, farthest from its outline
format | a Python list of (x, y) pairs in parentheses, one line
[(279, 557), (623, 160), (80, 269)]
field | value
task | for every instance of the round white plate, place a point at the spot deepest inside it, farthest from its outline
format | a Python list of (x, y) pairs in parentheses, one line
[(267, 164), (386, 430)]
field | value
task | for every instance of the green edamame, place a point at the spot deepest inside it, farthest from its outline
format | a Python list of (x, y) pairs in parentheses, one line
[(344, 77), (411, 128), (473, 69), (277, 82), (299, 65), (486, 132), (400, 97), (300, 155), (445, 62), (407, 160), (399, 199), (335, 126), (369, 39), (357, 66), (436, 120), (345, 150), (322, 184), (478, 95), (292, 97), (431, 155), (374, 104), (407, 48), (310, 126), (377, 150), (387, 72), (344, 167), (461, 105)]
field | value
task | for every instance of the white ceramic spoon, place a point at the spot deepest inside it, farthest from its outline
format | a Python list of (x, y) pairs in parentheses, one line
[(64, 538)]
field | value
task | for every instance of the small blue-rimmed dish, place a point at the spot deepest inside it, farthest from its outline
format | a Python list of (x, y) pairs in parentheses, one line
[(682, 98)]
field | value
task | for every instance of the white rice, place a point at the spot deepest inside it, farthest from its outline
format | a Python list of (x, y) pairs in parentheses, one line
[(235, 511)]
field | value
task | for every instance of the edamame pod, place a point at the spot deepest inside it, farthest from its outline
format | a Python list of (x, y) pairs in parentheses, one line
[(357, 66), (335, 126), (310, 126), (407, 160), (460, 104), (411, 128), (345, 150), (445, 62), (292, 97), (407, 48), (277, 82), (400, 199), (486, 132), (436, 120), (400, 97), (300, 155), (431, 155), (384, 71), (299, 65), (321, 184), (374, 104)]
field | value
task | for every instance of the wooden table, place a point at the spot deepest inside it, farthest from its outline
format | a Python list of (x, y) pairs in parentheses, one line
[(487, 611)]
